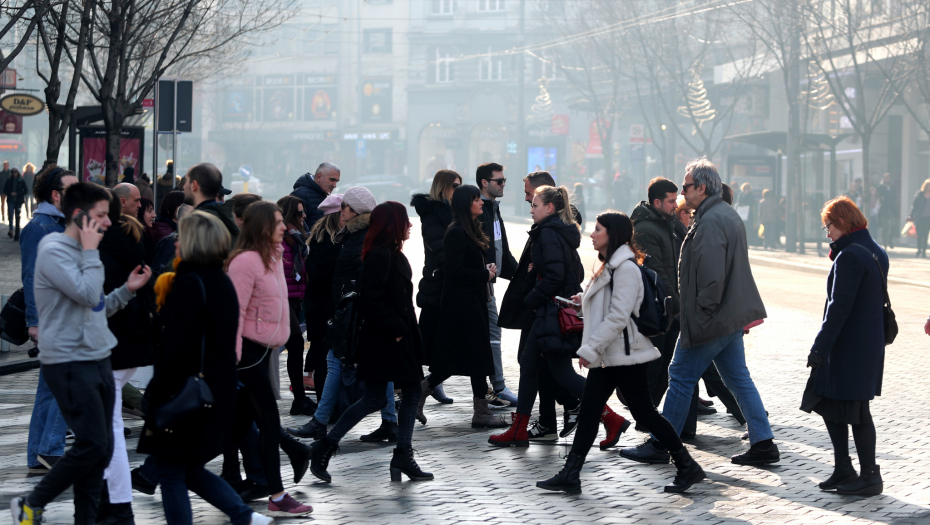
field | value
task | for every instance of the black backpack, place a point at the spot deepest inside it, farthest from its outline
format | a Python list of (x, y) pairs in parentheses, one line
[(342, 330), (13, 319), (655, 314)]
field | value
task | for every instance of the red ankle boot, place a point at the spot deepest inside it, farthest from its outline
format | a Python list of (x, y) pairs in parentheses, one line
[(516, 436), (615, 424)]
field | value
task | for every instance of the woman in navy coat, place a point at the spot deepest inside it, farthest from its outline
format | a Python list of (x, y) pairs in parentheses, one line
[(848, 354)]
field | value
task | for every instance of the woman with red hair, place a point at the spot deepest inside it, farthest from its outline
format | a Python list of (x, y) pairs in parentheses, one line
[(848, 354), (389, 347)]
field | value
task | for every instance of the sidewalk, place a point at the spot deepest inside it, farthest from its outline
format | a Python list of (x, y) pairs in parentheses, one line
[(905, 268), (16, 359)]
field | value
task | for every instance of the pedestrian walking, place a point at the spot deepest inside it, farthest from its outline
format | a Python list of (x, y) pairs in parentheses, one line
[(202, 184), (769, 217), (199, 307), (491, 181), (578, 201), (313, 189), (29, 175), (47, 427), (166, 183), (618, 355), (295, 254), (920, 216), (888, 211), (143, 183), (256, 268), (515, 314), (389, 347), (715, 264), (462, 344), (556, 238), (848, 355), (16, 192), (69, 281), (4, 176), (122, 250), (146, 217), (435, 212)]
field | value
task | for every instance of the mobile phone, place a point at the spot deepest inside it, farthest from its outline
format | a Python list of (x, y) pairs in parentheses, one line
[(81, 217), (564, 300)]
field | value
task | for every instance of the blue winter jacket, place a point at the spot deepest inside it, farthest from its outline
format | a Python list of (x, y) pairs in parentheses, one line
[(46, 219)]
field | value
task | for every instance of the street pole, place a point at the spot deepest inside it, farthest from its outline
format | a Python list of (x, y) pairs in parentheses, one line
[(521, 94), (793, 146), (155, 148), (174, 137)]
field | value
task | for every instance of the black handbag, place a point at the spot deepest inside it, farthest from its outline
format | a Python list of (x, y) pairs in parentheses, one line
[(195, 396), (13, 319), (891, 324)]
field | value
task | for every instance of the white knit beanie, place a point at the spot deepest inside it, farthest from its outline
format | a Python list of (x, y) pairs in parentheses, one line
[(360, 199)]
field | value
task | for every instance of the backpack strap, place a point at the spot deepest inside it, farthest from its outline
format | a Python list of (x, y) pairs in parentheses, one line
[(626, 333)]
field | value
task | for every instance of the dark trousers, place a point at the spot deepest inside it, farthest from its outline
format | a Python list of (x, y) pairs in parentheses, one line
[(177, 478), (550, 391), (255, 402), (560, 366), (316, 355), (374, 400), (632, 382), (922, 225), (14, 217), (85, 394), (295, 353), (479, 384), (657, 371), (889, 230)]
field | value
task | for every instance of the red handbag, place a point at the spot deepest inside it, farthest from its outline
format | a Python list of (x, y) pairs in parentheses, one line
[(569, 323)]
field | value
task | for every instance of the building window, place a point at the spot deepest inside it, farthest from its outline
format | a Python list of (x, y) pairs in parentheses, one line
[(490, 5), (492, 68), (444, 7), (377, 40), (445, 66)]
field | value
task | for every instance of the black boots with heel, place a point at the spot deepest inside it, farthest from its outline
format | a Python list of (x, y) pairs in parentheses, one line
[(567, 480), (689, 472), (869, 483), (403, 463), (843, 473), (320, 453)]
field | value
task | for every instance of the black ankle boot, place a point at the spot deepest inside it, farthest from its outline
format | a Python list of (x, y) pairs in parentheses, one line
[(843, 473), (120, 514), (297, 452), (403, 462), (386, 432), (320, 452), (869, 483), (231, 473), (567, 479), (689, 472)]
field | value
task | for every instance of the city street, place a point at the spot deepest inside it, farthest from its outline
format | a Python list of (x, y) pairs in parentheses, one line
[(478, 483)]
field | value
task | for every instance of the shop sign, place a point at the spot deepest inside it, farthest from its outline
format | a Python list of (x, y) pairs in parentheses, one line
[(22, 104), (10, 123)]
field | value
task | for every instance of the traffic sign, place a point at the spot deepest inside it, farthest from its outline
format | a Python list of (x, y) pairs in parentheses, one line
[(245, 170)]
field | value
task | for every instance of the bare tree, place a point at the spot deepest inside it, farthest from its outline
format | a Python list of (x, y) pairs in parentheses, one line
[(915, 20), (28, 14), (136, 42)]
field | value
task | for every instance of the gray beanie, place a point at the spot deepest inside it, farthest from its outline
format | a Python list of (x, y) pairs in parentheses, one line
[(360, 199)]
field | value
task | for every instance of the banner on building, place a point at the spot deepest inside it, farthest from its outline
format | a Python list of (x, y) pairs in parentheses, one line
[(238, 105), (377, 93)]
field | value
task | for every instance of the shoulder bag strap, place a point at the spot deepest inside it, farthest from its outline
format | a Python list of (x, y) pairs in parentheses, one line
[(203, 337), (880, 272)]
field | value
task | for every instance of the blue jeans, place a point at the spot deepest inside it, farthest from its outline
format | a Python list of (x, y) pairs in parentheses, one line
[(176, 478), (497, 380), (46, 427), (331, 393), (728, 354), (370, 403)]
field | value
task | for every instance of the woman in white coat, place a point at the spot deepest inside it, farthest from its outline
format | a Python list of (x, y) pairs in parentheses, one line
[(613, 295)]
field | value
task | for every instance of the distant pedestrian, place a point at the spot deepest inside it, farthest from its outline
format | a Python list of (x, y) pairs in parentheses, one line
[(29, 175), (313, 189), (920, 216), (769, 217), (16, 192), (848, 355), (435, 212), (201, 185), (718, 298), (145, 187), (166, 183), (617, 355), (888, 212), (389, 348), (166, 222), (146, 217), (4, 176), (200, 311), (578, 201)]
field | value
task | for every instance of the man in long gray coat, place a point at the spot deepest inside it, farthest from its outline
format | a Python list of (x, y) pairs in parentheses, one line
[(718, 298)]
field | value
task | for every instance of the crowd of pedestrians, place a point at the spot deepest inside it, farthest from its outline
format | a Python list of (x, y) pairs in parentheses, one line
[(208, 291)]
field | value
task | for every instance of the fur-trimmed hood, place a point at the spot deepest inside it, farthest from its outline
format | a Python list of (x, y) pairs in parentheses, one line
[(355, 224)]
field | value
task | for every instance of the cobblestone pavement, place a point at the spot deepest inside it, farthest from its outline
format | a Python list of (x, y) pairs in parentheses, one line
[(477, 483)]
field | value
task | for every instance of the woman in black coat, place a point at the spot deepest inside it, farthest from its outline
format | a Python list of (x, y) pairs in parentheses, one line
[(848, 355), (16, 192), (920, 216), (462, 346), (435, 214), (389, 348), (318, 295), (201, 314), (556, 239)]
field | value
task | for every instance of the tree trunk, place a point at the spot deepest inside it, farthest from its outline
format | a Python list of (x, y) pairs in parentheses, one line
[(866, 159), (113, 123)]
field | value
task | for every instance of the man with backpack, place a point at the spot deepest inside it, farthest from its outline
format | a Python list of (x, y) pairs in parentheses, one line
[(718, 298)]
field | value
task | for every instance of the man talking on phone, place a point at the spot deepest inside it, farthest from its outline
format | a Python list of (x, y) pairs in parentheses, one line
[(76, 343)]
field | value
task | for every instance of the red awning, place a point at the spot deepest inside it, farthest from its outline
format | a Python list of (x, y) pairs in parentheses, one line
[(8, 145)]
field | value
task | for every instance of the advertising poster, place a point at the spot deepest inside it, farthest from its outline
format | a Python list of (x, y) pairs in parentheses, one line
[(377, 99), (237, 105), (319, 102), (94, 153)]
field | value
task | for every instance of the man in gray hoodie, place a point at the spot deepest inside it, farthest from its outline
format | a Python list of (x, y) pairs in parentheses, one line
[(75, 349)]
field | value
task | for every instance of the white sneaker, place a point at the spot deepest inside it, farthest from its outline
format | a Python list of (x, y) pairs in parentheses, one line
[(261, 519)]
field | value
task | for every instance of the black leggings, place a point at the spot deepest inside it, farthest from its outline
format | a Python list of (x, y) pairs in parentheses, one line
[(479, 385), (922, 225), (633, 383), (295, 353), (256, 403), (560, 366), (550, 391), (863, 434)]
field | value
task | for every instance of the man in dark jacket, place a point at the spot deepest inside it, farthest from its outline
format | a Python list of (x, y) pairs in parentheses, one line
[(312, 189), (515, 314), (201, 184), (490, 179), (888, 211), (654, 233), (718, 298)]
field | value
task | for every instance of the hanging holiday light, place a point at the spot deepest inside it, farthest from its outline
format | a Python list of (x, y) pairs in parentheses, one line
[(698, 107)]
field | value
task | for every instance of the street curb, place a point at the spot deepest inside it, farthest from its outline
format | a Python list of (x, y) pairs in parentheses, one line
[(20, 365), (808, 268)]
